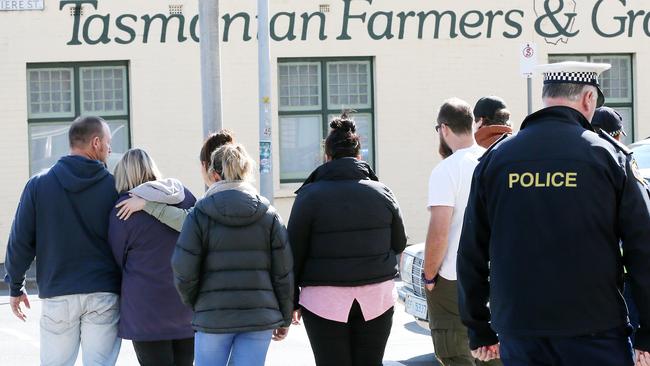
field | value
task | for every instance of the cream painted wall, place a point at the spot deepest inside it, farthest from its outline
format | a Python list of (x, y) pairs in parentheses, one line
[(412, 78)]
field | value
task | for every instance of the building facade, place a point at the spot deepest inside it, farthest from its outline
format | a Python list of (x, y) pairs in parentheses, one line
[(137, 64)]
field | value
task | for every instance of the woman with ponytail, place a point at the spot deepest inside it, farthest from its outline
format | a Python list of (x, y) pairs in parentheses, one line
[(233, 266), (345, 231)]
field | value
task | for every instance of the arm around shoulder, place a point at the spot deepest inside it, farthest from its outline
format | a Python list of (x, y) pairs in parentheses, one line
[(172, 216)]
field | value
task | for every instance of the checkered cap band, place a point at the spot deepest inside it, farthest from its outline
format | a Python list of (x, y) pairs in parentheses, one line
[(571, 77)]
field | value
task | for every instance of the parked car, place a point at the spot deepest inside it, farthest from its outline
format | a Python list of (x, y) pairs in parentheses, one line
[(641, 151), (411, 293)]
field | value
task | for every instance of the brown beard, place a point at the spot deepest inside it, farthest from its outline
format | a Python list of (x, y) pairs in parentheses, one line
[(443, 149)]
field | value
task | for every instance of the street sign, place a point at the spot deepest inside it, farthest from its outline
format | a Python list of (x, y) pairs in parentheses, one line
[(527, 59), (18, 5)]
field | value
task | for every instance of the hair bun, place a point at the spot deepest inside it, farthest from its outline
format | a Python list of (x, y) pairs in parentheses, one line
[(344, 125)]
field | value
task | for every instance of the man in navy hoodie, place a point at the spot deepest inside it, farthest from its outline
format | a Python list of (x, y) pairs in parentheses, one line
[(62, 220)]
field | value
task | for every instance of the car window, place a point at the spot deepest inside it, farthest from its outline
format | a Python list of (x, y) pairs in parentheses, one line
[(642, 156)]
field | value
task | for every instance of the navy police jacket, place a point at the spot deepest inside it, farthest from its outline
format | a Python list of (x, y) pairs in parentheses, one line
[(547, 211)]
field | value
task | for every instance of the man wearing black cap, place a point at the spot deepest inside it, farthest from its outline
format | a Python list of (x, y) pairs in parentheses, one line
[(609, 121), (492, 120), (547, 210)]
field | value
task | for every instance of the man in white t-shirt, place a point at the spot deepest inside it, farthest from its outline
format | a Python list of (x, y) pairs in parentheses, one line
[(449, 188)]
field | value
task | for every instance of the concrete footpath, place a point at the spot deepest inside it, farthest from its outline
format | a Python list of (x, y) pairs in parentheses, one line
[(408, 345)]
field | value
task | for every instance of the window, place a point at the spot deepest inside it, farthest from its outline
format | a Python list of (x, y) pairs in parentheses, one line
[(311, 93), (57, 93), (616, 84)]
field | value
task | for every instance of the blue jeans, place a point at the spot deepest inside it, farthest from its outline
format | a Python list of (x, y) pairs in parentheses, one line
[(86, 320), (233, 349)]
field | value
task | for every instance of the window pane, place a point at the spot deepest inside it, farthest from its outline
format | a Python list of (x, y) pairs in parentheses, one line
[(561, 58), (49, 141), (49, 96), (616, 82), (299, 86), (348, 85), (364, 129), (119, 142), (300, 146), (101, 88)]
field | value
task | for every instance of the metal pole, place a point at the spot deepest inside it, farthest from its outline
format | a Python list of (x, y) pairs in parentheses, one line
[(529, 82), (210, 66), (264, 62)]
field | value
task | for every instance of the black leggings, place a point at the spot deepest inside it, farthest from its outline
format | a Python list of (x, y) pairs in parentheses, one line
[(177, 352), (355, 343)]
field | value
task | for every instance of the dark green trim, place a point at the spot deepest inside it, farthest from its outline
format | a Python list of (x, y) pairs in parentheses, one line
[(49, 65), (590, 56), (323, 59), (633, 132), (324, 86), (68, 119), (372, 115), (324, 111), (128, 104), (77, 90), (76, 83)]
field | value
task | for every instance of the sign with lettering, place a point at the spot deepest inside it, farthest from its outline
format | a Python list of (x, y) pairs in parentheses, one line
[(15, 5), (553, 20), (528, 59)]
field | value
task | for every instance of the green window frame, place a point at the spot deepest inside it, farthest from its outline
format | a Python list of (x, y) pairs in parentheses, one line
[(617, 84), (311, 91), (59, 92)]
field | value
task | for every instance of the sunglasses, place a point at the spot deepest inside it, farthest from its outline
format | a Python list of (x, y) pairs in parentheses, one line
[(438, 126)]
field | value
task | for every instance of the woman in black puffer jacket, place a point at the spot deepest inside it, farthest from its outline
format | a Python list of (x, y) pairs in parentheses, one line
[(233, 266), (345, 232)]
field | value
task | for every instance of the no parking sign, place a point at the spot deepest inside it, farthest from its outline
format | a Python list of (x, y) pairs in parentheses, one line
[(528, 59)]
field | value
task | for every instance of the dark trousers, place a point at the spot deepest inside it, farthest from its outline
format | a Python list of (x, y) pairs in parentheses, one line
[(355, 343), (177, 352), (611, 348), (449, 335)]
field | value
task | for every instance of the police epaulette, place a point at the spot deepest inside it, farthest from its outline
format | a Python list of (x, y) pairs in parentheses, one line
[(503, 137), (617, 144)]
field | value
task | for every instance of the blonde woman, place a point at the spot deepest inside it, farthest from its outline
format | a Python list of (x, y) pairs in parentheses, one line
[(170, 215), (152, 314), (233, 266)]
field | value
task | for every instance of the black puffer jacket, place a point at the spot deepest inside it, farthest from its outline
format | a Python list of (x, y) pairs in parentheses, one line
[(345, 227), (233, 265)]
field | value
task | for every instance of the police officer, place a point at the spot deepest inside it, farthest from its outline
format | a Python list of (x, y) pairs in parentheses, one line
[(541, 235), (609, 121)]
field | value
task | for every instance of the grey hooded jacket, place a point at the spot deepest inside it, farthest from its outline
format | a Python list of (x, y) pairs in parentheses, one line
[(233, 264)]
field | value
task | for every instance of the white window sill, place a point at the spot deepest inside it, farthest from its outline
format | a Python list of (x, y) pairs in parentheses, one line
[(287, 190)]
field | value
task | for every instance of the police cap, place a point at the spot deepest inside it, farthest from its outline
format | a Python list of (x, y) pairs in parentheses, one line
[(572, 72)]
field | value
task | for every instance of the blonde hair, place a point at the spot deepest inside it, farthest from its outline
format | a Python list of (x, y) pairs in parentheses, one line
[(135, 167), (232, 163)]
